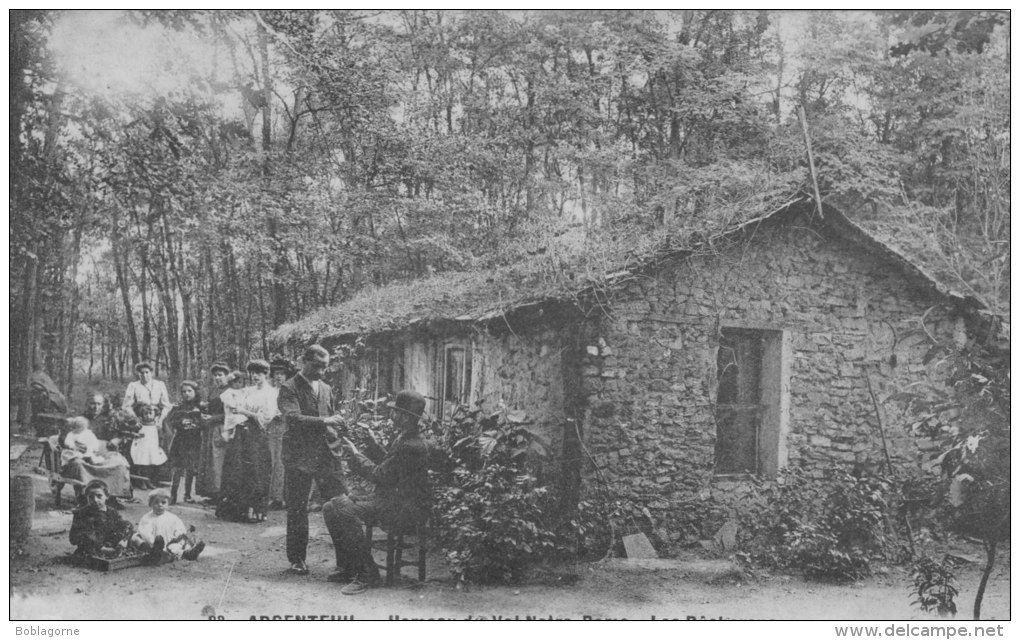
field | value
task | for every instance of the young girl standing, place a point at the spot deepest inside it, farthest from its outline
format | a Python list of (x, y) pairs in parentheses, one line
[(185, 424), (146, 454)]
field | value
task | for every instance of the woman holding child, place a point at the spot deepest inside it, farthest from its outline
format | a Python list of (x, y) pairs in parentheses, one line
[(244, 494), (86, 458)]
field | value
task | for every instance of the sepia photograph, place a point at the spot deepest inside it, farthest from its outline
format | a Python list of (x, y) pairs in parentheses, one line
[(510, 315)]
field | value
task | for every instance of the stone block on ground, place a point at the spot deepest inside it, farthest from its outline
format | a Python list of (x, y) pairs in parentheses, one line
[(638, 546), (726, 537)]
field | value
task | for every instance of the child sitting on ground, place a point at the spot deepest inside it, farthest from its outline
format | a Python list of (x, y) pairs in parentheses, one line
[(96, 529), (162, 534)]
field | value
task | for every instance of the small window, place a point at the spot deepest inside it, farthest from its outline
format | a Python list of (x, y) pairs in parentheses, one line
[(456, 376), (751, 402)]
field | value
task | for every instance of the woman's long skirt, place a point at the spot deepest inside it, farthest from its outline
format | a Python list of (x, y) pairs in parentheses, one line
[(246, 471), (113, 470), (210, 469)]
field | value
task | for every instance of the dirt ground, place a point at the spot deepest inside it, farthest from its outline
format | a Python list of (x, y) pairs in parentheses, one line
[(242, 574)]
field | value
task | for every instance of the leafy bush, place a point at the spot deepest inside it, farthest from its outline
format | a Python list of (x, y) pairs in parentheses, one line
[(969, 417), (829, 529), (490, 513), (934, 586), (774, 513), (588, 534)]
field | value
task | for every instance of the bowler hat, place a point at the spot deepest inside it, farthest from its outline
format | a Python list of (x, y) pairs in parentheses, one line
[(408, 401)]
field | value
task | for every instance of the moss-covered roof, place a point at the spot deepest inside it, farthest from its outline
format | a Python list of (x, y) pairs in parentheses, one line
[(564, 267), (549, 266)]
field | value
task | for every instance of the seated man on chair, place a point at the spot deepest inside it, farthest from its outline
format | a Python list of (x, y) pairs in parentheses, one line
[(402, 499)]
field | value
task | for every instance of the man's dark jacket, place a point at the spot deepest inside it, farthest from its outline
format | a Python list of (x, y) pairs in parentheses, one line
[(403, 493), (305, 445)]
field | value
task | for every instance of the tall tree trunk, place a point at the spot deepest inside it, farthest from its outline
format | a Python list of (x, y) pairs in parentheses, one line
[(262, 313), (990, 543), (71, 305), (529, 157), (143, 289), (281, 265), (92, 353), (30, 343), (120, 266), (213, 356)]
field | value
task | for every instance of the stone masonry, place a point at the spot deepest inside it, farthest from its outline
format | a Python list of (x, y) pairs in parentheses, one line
[(642, 377), (649, 370)]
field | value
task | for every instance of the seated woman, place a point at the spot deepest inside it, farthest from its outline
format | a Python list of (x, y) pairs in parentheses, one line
[(85, 458)]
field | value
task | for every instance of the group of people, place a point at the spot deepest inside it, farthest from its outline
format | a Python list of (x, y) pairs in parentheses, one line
[(402, 497), (226, 449), (251, 446)]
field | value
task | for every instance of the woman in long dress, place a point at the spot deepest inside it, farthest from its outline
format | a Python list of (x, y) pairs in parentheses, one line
[(210, 465), (244, 494)]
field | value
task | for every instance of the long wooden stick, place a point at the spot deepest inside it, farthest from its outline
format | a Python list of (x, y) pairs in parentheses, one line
[(888, 462), (881, 425), (811, 161)]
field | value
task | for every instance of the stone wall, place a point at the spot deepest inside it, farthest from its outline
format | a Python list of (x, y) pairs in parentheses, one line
[(527, 369), (649, 370), (642, 379)]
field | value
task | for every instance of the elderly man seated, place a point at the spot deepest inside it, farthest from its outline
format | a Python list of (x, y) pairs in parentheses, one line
[(402, 499)]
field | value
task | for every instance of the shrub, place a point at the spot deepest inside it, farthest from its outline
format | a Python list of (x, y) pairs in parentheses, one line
[(588, 534), (934, 586), (828, 529), (490, 512)]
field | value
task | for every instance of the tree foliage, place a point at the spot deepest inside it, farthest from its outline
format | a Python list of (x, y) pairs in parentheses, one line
[(260, 165)]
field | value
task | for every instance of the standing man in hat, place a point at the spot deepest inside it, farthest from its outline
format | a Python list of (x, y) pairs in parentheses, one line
[(210, 466), (306, 404), (402, 499), (146, 390)]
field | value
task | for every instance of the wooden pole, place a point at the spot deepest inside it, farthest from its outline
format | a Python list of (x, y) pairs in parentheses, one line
[(811, 161)]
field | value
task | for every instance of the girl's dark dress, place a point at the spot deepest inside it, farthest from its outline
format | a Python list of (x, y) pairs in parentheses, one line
[(185, 424)]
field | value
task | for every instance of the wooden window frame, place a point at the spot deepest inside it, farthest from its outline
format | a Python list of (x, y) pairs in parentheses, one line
[(770, 446), (466, 375)]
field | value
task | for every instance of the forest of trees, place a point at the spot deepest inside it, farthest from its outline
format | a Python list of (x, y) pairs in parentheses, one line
[(224, 172)]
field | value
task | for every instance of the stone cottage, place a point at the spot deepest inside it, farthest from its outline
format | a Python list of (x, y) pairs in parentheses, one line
[(690, 371)]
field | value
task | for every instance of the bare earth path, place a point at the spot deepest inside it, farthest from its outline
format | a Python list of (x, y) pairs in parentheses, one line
[(242, 575)]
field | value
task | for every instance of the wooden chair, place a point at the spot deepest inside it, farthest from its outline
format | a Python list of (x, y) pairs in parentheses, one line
[(394, 544), (50, 463)]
